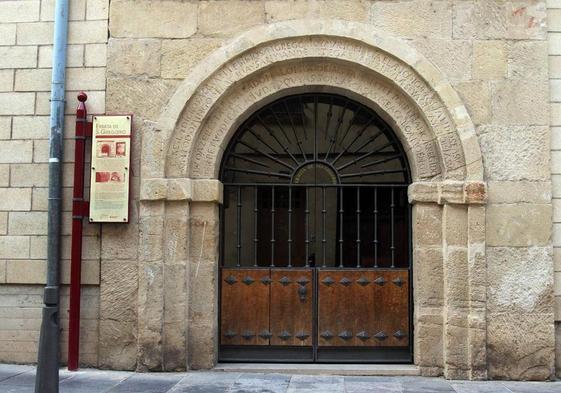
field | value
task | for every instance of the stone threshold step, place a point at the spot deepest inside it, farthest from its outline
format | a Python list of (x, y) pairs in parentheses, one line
[(322, 369)]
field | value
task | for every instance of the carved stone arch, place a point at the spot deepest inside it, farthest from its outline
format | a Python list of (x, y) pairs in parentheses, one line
[(386, 62), (182, 154)]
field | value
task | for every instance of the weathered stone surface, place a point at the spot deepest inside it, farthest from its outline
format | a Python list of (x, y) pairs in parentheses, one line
[(207, 190), (454, 221), (120, 241), (427, 225), (557, 349), (477, 98), (413, 19), (521, 346), (428, 276), (153, 189), (277, 10), (456, 344), (149, 18), (118, 292), (175, 356), (489, 59), (131, 95), (180, 56), (527, 59), (456, 287), (117, 345), (497, 19), (428, 346), (518, 225), (134, 57), (517, 102), (179, 189), (227, 18), (457, 67), (203, 269), (511, 154), (519, 191), (520, 279)]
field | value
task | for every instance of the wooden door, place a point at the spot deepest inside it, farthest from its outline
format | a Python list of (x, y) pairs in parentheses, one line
[(245, 307), (291, 318), (363, 308)]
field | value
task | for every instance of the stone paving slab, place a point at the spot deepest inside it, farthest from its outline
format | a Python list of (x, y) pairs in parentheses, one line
[(21, 379)]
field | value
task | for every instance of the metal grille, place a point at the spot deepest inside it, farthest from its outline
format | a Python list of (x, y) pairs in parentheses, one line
[(315, 180)]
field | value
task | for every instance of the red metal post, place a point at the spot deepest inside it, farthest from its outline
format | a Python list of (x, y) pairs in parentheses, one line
[(79, 211)]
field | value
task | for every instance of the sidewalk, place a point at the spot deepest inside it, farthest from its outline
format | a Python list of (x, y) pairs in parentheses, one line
[(20, 379)]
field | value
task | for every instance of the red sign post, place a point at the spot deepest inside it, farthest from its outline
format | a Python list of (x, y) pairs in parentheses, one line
[(80, 209)]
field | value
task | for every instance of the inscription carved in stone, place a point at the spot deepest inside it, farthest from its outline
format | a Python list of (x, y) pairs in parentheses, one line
[(218, 106)]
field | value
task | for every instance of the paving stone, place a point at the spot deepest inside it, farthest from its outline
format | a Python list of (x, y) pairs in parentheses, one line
[(21, 379), (12, 370), (479, 387), (6, 388), (21, 383), (425, 385), (316, 384), (151, 383), (533, 387), (373, 387), (92, 381), (261, 383), (205, 382)]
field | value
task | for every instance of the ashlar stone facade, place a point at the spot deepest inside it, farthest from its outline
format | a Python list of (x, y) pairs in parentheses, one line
[(463, 83)]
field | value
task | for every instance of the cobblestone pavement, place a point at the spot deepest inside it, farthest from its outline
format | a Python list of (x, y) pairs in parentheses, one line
[(20, 379)]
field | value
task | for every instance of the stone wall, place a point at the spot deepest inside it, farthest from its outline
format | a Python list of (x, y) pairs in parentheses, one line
[(153, 309), (494, 53), (554, 29), (26, 35)]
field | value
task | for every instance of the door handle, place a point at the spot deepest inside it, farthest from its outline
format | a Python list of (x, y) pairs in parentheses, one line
[(302, 292)]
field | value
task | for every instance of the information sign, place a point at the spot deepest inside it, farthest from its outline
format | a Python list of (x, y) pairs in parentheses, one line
[(110, 173)]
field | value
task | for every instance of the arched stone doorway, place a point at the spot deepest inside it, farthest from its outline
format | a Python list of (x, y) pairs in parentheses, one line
[(183, 151), (315, 246)]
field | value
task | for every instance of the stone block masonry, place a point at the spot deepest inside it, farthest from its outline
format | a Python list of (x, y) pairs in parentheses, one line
[(143, 308), (554, 29), (26, 33)]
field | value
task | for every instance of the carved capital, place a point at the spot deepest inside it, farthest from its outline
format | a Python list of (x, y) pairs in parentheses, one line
[(448, 192), (181, 189)]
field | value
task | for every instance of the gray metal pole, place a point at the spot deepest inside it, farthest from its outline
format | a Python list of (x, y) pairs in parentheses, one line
[(48, 361)]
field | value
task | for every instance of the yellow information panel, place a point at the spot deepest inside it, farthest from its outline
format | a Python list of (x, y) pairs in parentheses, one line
[(110, 177)]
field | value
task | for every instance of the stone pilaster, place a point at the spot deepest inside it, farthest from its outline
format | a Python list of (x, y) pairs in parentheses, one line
[(456, 291), (428, 290), (151, 286), (450, 278), (203, 285)]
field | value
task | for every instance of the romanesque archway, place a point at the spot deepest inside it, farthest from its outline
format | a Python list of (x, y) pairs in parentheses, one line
[(183, 151)]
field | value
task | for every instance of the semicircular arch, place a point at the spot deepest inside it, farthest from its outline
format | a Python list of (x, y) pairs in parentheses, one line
[(268, 62)]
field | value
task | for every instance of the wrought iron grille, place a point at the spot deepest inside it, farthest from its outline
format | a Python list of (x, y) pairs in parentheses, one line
[(315, 180)]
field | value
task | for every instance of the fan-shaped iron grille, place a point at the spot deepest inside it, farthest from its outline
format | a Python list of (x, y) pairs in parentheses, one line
[(315, 139)]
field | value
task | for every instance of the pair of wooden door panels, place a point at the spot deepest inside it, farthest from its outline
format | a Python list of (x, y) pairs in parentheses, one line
[(315, 314)]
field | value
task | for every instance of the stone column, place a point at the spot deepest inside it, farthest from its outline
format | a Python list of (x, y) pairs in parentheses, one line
[(449, 278), (428, 290), (178, 267), (456, 291), (477, 273), (203, 288), (176, 277), (150, 286)]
